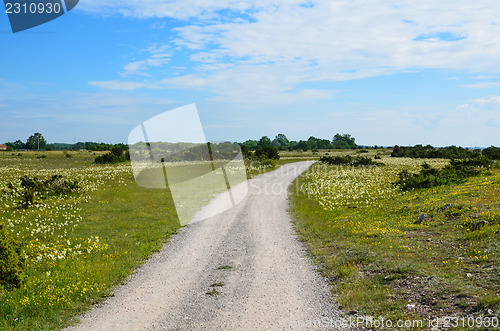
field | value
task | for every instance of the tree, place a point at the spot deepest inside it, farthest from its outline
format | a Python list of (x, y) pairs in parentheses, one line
[(344, 141), (282, 141), (265, 142), (303, 145), (10, 146), (36, 141)]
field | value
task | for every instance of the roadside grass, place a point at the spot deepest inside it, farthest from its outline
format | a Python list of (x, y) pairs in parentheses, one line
[(213, 292), (225, 267), (81, 246), (363, 235), (218, 284)]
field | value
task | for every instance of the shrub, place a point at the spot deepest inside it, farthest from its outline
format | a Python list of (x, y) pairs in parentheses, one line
[(455, 172), (12, 263), (492, 152), (348, 160), (267, 153), (419, 151), (116, 155), (31, 188)]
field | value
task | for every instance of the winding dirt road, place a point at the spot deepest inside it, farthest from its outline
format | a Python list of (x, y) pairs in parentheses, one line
[(270, 284)]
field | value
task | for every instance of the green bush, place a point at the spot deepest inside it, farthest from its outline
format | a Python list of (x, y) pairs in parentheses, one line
[(116, 155), (12, 263), (455, 172), (33, 188), (429, 152), (349, 160), (267, 153), (492, 152)]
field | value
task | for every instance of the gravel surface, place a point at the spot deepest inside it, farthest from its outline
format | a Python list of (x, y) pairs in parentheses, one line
[(270, 285)]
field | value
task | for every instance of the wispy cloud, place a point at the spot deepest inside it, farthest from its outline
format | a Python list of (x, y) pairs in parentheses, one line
[(483, 85), (158, 55), (287, 44)]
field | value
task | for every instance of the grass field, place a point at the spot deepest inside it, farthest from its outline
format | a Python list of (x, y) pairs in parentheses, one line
[(79, 246), (362, 232), (356, 224)]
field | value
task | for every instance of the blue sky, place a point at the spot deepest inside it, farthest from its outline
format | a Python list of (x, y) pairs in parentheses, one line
[(385, 72)]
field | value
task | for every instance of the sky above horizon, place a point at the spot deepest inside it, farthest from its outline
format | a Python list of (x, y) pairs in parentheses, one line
[(386, 72)]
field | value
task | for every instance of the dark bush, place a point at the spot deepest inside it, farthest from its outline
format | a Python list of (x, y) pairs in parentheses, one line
[(116, 155), (267, 153), (348, 160), (430, 152), (12, 263), (492, 153), (455, 172), (33, 188)]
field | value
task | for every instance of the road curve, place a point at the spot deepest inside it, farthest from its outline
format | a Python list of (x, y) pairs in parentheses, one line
[(271, 285)]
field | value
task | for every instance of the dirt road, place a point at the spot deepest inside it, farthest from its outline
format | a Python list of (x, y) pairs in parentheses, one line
[(268, 283)]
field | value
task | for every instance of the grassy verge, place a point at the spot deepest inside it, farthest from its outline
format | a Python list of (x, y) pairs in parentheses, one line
[(363, 233), (81, 246)]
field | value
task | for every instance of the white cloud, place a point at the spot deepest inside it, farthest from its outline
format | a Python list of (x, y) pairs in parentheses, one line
[(158, 56), (483, 85), (493, 100), (286, 44)]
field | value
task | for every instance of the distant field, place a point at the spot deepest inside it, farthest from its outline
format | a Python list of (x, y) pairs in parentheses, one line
[(362, 232)]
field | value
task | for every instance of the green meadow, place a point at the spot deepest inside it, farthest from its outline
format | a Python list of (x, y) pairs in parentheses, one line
[(360, 229), (80, 246), (366, 236)]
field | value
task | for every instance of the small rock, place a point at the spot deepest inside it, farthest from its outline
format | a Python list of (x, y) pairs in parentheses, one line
[(448, 205), (422, 218)]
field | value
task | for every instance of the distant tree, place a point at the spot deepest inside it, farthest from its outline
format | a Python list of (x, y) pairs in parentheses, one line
[(303, 145), (344, 141), (10, 146), (18, 144), (265, 142), (312, 142), (282, 141), (251, 144), (36, 142)]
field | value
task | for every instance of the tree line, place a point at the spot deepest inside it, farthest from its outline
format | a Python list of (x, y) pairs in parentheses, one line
[(281, 142), (450, 152), (38, 142)]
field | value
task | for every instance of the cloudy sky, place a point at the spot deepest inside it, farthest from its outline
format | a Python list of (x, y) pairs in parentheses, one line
[(387, 72)]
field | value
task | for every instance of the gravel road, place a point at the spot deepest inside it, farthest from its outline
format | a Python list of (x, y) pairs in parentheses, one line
[(270, 285)]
